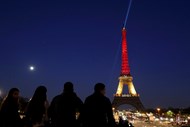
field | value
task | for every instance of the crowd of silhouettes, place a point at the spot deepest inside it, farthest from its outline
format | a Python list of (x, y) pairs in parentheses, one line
[(65, 110)]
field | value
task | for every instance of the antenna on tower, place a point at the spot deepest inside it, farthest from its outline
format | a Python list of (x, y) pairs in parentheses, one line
[(130, 1)]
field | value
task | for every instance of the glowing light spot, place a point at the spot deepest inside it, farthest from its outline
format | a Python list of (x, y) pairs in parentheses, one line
[(32, 68)]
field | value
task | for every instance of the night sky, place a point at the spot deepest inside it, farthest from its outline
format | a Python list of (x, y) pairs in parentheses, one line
[(80, 41)]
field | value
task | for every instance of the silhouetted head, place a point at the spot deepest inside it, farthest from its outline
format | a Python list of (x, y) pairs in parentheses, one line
[(40, 93), (11, 98), (99, 88), (13, 94), (68, 87)]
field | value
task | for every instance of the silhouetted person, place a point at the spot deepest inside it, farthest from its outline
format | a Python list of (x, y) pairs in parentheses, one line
[(121, 122), (36, 109), (131, 125), (9, 110), (63, 108), (98, 109)]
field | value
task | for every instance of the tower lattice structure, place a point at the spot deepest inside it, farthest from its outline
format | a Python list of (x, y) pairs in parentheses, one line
[(125, 78)]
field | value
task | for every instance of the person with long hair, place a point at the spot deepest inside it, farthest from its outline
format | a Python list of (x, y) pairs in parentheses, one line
[(9, 115), (36, 109)]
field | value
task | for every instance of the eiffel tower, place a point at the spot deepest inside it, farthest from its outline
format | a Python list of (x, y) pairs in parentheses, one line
[(125, 78)]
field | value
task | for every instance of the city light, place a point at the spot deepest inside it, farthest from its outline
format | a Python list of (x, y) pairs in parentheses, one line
[(158, 109)]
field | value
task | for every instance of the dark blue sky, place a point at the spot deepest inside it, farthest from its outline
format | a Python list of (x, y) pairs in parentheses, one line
[(79, 41)]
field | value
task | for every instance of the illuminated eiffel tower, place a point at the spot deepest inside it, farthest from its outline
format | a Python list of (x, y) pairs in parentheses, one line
[(132, 98)]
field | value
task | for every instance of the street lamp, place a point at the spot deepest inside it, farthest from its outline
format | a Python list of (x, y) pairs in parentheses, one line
[(158, 110)]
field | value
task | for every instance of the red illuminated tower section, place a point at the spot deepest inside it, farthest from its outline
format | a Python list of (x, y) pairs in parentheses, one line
[(125, 79), (125, 70)]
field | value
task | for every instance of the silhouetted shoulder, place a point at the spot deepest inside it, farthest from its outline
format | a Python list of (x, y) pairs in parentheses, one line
[(58, 97), (97, 96)]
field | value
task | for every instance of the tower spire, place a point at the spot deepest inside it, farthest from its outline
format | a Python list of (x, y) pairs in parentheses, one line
[(125, 69)]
